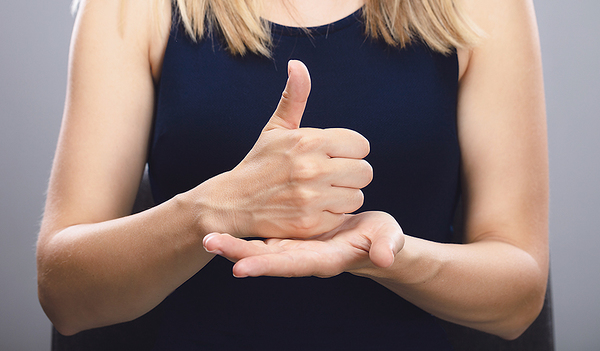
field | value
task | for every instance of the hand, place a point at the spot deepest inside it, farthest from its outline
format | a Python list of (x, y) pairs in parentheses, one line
[(365, 240), (295, 182)]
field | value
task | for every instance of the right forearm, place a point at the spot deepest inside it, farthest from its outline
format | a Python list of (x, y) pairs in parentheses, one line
[(295, 182), (98, 274)]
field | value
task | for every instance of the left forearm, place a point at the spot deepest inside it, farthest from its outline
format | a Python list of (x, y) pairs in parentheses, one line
[(489, 285)]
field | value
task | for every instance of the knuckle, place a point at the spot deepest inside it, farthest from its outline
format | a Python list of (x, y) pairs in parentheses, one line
[(304, 225), (305, 170), (295, 135), (304, 198), (309, 142), (285, 95)]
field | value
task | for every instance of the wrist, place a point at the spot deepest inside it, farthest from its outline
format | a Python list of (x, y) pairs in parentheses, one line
[(210, 208)]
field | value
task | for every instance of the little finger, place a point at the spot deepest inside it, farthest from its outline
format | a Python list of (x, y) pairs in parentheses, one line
[(342, 200)]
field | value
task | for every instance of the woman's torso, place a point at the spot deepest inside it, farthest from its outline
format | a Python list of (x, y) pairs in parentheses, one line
[(210, 109)]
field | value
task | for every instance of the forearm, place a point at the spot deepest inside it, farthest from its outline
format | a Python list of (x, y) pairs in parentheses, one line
[(489, 285), (92, 275)]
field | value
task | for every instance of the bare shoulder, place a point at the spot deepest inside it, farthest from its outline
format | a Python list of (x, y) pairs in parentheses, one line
[(502, 22), (490, 13), (140, 25)]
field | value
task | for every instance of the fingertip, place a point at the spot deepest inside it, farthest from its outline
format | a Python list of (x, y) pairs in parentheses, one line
[(290, 109), (388, 260), (295, 65), (207, 239), (239, 270), (302, 79), (382, 255), (210, 244)]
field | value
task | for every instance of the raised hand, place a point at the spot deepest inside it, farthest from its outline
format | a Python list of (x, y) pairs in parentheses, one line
[(362, 241), (295, 182)]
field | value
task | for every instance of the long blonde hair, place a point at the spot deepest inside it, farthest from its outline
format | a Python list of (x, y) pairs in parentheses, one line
[(441, 24)]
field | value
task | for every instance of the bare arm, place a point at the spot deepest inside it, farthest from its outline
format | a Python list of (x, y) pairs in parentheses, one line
[(496, 281), (98, 265), (94, 267)]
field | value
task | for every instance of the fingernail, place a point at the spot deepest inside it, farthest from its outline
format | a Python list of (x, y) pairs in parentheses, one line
[(205, 242), (216, 252), (235, 268)]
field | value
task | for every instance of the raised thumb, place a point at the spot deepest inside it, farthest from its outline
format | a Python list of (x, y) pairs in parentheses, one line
[(293, 100)]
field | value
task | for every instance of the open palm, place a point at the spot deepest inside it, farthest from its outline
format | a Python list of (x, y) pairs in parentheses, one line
[(362, 240)]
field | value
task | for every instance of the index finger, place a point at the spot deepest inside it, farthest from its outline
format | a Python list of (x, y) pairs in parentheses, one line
[(346, 143)]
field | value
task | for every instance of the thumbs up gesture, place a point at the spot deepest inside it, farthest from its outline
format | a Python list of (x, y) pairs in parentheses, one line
[(295, 182), (293, 99)]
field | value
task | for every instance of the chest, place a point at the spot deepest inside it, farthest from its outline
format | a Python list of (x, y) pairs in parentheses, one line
[(212, 107)]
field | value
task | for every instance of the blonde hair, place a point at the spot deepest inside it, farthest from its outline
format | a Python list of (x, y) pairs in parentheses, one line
[(441, 24)]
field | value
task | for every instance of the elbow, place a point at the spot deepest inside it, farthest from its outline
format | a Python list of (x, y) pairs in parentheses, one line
[(54, 300), (515, 323), (65, 328), (56, 312), (525, 299), (512, 327), (71, 298), (517, 305), (68, 314), (55, 308), (514, 331), (520, 323)]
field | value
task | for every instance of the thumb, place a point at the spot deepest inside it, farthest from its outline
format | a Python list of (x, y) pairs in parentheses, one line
[(293, 99), (386, 244)]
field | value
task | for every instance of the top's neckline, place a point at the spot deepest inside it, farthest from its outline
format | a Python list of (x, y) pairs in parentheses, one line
[(325, 29)]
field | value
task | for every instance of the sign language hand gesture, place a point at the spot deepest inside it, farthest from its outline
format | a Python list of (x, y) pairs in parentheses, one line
[(295, 182), (365, 240)]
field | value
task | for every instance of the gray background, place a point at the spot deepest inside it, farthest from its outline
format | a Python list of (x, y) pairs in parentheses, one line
[(34, 39)]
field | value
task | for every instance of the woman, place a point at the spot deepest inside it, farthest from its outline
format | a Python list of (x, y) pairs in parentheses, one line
[(428, 94)]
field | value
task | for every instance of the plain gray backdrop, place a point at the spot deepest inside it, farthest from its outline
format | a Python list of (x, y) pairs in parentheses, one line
[(34, 39)]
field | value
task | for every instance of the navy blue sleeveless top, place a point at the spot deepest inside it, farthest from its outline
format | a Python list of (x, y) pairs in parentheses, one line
[(211, 109)]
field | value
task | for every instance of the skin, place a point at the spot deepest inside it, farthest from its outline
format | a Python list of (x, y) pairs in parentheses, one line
[(496, 282), (98, 266)]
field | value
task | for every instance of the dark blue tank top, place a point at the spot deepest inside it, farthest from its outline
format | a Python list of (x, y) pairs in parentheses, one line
[(211, 109)]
